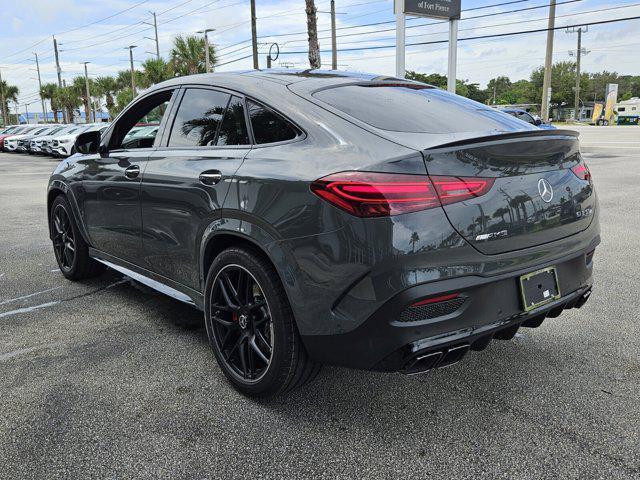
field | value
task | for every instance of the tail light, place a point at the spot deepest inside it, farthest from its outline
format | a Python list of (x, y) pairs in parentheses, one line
[(582, 171), (371, 194)]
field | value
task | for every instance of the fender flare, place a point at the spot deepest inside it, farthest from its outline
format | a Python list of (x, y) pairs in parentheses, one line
[(65, 189), (283, 261)]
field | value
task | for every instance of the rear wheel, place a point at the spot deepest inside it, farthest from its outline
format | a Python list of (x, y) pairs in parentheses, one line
[(251, 327), (72, 252)]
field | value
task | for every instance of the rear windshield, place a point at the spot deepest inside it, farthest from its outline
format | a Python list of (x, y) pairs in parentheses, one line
[(415, 108)]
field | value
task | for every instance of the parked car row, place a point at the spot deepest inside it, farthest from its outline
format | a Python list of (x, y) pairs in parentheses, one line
[(53, 139)]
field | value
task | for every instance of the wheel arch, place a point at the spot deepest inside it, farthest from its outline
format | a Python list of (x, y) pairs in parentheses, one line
[(227, 233), (56, 189)]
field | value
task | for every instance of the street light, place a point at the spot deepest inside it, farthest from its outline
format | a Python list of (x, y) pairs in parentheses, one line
[(206, 47)]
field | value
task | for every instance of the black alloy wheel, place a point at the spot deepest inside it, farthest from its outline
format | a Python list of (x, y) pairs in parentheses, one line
[(241, 321), (251, 327), (64, 243)]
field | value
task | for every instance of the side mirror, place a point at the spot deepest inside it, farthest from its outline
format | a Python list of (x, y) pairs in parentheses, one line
[(538, 121), (88, 142)]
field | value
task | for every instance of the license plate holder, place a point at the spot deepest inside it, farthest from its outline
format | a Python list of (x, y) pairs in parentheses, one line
[(539, 288)]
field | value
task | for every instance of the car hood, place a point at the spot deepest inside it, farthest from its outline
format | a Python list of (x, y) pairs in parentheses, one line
[(64, 138), (18, 137)]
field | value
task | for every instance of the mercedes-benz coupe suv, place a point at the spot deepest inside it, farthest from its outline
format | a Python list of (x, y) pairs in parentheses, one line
[(323, 217)]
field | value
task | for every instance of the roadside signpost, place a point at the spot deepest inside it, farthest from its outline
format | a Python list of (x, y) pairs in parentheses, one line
[(446, 9)]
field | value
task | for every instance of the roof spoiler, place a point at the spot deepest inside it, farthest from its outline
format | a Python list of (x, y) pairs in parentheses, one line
[(507, 136)]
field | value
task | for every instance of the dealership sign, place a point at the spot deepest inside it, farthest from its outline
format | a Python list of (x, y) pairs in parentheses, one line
[(433, 8)]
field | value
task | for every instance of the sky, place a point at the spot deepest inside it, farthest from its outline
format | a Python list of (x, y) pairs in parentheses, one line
[(98, 31)]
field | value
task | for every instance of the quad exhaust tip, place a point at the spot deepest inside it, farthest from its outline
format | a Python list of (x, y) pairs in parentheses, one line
[(438, 359)]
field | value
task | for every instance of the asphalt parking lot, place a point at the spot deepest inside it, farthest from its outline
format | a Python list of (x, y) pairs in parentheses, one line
[(108, 379)]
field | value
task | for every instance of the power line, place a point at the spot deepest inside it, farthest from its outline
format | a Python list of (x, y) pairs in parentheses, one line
[(477, 37), (102, 19), (483, 26)]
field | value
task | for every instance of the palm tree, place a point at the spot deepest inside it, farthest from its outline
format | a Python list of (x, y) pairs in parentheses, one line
[(79, 85), (11, 93), (69, 99), (188, 55), (48, 92), (155, 71), (312, 30), (123, 98), (108, 87)]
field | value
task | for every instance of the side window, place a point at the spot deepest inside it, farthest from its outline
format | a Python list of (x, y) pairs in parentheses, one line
[(148, 111), (268, 127), (525, 117), (233, 129), (199, 115)]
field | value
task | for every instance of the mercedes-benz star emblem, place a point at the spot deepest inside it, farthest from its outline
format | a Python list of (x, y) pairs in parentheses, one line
[(545, 189)]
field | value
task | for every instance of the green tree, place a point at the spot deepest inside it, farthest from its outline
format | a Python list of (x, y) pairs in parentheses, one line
[(107, 87), (155, 71), (563, 81), (497, 87), (69, 99), (188, 55), (79, 85), (123, 98), (11, 93), (48, 92), (434, 79)]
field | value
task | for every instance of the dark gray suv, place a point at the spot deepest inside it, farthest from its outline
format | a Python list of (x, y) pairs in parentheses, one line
[(323, 217)]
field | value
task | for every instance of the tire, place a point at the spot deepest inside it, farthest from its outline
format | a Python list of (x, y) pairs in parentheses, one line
[(69, 247), (263, 321)]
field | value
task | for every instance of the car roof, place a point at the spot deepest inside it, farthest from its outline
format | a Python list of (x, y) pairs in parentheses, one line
[(253, 81)]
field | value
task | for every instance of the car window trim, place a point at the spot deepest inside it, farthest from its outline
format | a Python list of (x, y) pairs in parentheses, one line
[(302, 132), (106, 137)]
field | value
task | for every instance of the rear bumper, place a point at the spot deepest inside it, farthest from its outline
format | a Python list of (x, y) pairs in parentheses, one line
[(399, 337)]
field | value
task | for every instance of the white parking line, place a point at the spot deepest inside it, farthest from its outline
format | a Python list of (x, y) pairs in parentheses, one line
[(29, 296), (28, 309)]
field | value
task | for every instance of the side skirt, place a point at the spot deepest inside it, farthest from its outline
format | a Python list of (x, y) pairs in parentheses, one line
[(150, 279)]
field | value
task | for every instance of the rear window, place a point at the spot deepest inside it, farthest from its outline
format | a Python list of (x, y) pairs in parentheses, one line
[(414, 108)]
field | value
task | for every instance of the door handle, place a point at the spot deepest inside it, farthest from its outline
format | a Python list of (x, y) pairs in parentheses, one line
[(132, 172), (210, 177)]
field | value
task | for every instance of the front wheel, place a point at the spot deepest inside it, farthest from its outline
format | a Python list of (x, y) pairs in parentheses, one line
[(251, 327)]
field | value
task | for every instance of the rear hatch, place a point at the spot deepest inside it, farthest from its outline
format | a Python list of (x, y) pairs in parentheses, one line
[(540, 190)]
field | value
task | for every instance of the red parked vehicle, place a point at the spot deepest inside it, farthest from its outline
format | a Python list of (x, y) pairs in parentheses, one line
[(15, 130)]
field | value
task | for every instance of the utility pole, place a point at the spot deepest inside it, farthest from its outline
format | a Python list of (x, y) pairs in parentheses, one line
[(26, 111), (334, 46), (155, 39), (44, 110), (579, 52), (87, 110), (155, 28), (400, 39), (133, 72), (206, 48), (59, 71), (548, 64), (3, 105), (453, 55), (254, 35)]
